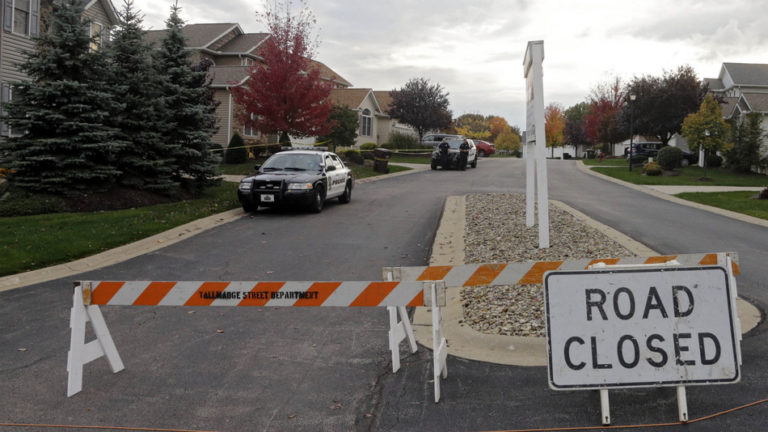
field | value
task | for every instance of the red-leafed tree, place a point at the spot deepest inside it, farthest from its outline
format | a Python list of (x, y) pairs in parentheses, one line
[(286, 94), (603, 121)]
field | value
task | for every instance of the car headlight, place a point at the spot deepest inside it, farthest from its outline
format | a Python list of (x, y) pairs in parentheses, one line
[(299, 186), (246, 185)]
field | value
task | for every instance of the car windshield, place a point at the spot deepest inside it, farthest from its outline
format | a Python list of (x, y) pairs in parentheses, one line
[(455, 144), (293, 162)]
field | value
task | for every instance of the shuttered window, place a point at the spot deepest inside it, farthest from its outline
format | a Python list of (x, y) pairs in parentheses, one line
[(21, 11)]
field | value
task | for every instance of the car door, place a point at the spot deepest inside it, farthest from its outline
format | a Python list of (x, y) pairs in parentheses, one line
[(336, 177)]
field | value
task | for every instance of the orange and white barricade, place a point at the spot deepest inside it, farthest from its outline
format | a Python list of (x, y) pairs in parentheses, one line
[(89, 295)]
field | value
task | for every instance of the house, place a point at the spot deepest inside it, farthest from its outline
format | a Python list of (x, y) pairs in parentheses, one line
[(743, 87), (22, 20), (386, 124), (363, 101), (232, 52)]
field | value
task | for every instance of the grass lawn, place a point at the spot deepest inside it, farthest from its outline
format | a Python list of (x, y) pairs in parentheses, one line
[(688, 176), (742, 202), (363, 171), (32, 242), (411, 159), (606, 162)]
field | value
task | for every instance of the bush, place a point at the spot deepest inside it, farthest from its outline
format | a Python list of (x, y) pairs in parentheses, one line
[(639, 159), (713, 161), (367, 146), (399, 140), (20, 203), (652, 169), (763, 194), (669, 157), (236, 152), (353, 155)]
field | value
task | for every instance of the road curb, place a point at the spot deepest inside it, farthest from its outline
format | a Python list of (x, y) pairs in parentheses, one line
[(674, 199), (463, 341)]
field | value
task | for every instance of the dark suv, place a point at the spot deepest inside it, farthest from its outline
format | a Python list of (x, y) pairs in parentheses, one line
[(648, 149)]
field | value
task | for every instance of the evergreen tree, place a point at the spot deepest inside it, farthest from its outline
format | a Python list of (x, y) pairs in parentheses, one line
[(59, 142), (148, 162), (190, 118)]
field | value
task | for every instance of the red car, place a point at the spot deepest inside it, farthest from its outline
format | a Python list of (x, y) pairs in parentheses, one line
[(484, 148)]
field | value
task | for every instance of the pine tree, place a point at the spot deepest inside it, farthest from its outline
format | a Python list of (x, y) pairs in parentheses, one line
[(189, 106), (59, 142), (148, 162)]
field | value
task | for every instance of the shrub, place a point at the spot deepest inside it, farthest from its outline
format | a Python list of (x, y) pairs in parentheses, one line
[(236, 152), (714, 161), (639, 159), (367, 146), (20, 203), (399, 140), (763, 194), (652, 169), (669, 157), (353, 155)]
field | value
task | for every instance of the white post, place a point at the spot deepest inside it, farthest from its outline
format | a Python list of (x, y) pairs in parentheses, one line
[(605, 407), (398, 330), (530, 183), (682, 404), (701, 157), (533, 72)]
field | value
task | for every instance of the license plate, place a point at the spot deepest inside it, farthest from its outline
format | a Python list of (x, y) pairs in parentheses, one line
[(267, 198)]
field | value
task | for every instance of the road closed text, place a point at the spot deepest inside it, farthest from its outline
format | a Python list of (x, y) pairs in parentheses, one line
[(626, 328)]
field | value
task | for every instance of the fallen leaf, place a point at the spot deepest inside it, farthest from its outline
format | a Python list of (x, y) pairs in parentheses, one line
[(21, 349), (191, 312), (292, 416), (219, 331)]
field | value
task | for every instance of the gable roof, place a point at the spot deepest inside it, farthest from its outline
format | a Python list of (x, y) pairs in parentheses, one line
[(198, 35), (728, 106), (244, 43), (384, 99), (354, 97), (757, 102), (328, 73), (747, 74), (227, 76), (714, 84), (109, 8)]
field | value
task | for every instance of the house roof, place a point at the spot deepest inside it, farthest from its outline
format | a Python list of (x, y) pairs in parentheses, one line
[(714, 84), (384, 99), (728, 105), (224, 76), (109, 8), (757, 101), (197, 35), (328, 73), (244, 43), (748, 73), (351, 97)]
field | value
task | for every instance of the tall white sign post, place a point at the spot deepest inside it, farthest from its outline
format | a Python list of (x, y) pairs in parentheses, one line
[(535, 141)]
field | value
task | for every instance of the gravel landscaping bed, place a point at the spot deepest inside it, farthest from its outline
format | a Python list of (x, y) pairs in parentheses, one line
[(495, 232)]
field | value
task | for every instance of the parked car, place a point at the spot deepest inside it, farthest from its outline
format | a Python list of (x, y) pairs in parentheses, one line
[(648, 149), (304, 177), (453, 155), (484, 148), (432, 140), (689, 158)]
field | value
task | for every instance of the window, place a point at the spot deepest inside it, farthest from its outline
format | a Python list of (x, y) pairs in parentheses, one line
[(250, 129), (21, 16), (96, 32), (337, 162), (366, 123)]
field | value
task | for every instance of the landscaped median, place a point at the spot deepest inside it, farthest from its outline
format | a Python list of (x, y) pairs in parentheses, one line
[(745, 202)]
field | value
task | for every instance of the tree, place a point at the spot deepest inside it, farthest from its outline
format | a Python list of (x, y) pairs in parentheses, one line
[(286, 94), (189, 107), (662, 103), (147, 163), (706, 129), (497, 125), (60, 140), (421, 105), (554, 126), (747, 135), (345, 124), (603, 121), (473, 126), (508, 140), (574, 126)]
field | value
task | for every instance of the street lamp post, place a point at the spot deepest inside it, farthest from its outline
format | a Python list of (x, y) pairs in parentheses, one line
[(632, 98)]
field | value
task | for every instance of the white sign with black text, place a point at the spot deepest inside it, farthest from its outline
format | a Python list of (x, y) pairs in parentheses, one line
[(640, 328)]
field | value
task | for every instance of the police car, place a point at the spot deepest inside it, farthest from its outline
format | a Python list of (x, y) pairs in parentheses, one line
[(304, 177)]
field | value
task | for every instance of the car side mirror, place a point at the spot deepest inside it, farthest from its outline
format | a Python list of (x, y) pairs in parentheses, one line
[(330, 168)]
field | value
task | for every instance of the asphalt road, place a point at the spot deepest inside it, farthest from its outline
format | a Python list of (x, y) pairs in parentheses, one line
[(275, 369)]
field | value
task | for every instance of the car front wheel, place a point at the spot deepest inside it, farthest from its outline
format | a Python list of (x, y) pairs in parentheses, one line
[(474, 162), (433, 165), (317, 200), (347, 195), (481, 153)]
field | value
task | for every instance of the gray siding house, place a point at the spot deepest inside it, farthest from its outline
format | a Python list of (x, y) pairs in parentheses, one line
[(23, 20)]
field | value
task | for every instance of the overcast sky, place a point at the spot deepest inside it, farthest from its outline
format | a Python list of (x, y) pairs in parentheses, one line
[(474, 49)]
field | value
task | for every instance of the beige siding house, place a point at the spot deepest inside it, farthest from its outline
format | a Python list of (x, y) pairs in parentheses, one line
[(22, 21), (364, 103), (387, 125)]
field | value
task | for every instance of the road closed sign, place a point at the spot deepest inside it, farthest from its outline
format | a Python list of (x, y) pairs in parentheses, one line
[(640, 328)]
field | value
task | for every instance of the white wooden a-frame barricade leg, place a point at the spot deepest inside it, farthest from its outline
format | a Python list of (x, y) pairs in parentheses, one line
[(82, 353), (398, 330), (682, 400)]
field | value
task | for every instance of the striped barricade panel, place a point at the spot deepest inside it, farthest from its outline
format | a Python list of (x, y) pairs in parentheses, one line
[(253, 293), (533, 272)]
